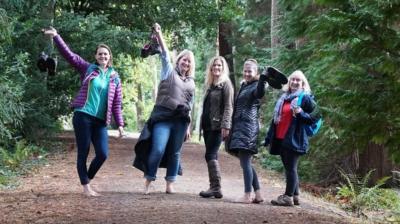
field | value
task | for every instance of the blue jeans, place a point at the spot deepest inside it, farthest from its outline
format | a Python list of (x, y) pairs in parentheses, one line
[(212, 140), (249, 173), (290, 161), (89, 129), (166, 135)]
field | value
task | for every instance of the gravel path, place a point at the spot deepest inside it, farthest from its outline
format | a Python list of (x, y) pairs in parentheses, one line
[(53, 194)]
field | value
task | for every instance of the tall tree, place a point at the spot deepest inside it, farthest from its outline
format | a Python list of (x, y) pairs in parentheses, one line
[(274, 28), (225, 46), (351, 60)]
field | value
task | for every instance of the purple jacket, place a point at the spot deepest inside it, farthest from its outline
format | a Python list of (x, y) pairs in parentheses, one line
[(114, 88)]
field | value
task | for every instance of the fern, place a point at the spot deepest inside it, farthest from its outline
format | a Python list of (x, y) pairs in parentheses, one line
[(359, 197), (14, 159)]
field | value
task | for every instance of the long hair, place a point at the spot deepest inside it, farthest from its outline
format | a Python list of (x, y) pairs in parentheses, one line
[(305, 86), (189, 54), (110, 62), (224, 73)]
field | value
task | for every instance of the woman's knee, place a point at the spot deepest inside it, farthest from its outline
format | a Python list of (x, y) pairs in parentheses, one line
[(155, 157), (102, 155), (210, 157)]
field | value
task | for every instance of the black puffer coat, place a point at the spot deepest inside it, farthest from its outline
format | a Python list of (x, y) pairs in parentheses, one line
[(245, 126)]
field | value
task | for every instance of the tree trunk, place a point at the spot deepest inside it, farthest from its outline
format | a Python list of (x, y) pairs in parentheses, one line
[(139, 108), (375, 157), (225, 47), (274, 28)]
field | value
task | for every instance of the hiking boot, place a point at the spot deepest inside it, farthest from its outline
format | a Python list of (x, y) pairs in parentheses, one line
[(296, 200), (283, 200)]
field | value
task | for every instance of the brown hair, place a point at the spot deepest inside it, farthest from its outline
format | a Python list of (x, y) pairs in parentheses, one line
[(109, 51)]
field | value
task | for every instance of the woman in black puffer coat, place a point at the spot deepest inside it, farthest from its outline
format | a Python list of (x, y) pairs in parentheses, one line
[(245, 127)]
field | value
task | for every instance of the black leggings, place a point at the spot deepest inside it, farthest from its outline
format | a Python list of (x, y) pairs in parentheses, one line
[(213, 140), (290, 160)]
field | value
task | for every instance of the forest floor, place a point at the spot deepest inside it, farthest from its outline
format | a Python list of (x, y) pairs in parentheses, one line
[(52, 194)]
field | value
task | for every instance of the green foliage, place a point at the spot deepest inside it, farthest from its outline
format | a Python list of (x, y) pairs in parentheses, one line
[(271, 162), (14, 160), (306, 168), (23, 157), (12, 108), (349, 53), (359, 197), (141, 77), (251, 34)]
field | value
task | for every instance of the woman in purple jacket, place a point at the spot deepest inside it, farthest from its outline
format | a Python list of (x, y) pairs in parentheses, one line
[(100, 95)]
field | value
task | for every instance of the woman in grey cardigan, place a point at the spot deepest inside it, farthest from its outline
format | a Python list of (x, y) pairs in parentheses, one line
[(161, 140), (216, 119)]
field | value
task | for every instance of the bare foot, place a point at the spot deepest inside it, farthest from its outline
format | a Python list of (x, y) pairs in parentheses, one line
[(88, 191), (259, 198), (147, 186), (169, 188), (246, 199)]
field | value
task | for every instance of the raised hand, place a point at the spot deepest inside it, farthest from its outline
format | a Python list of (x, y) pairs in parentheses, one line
[(264, 74), (157, 28), (50, 31), (157, 31)]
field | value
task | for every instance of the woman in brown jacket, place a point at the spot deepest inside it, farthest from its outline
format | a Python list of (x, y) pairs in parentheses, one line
[(216, 119)]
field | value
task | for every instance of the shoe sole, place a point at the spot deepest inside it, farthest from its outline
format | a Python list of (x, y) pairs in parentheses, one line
[(273, 202), (218, 196)]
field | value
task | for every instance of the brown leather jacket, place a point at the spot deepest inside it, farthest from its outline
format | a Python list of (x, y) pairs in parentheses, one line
[(221, 101)]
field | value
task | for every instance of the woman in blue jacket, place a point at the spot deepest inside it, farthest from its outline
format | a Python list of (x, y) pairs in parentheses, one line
[(287, 136)]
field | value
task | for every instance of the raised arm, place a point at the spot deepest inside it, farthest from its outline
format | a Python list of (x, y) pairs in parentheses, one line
[(260, 90), (74, 59), (165, 59)]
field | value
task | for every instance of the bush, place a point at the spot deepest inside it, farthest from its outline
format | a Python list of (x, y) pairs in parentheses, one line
[(14, 160), (19, 160), (356, 196)]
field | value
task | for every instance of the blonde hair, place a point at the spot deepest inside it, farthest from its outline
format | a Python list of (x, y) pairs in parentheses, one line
[(190, 55), (254, 64), (224, 74), (306, 87)]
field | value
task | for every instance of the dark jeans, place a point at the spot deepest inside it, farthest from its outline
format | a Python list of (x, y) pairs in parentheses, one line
[(89, 129), (290, 161), (166, 134), (213, 140), (249, 173)]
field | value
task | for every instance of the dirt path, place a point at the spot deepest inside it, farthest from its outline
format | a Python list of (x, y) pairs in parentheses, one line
[(53, 195)]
